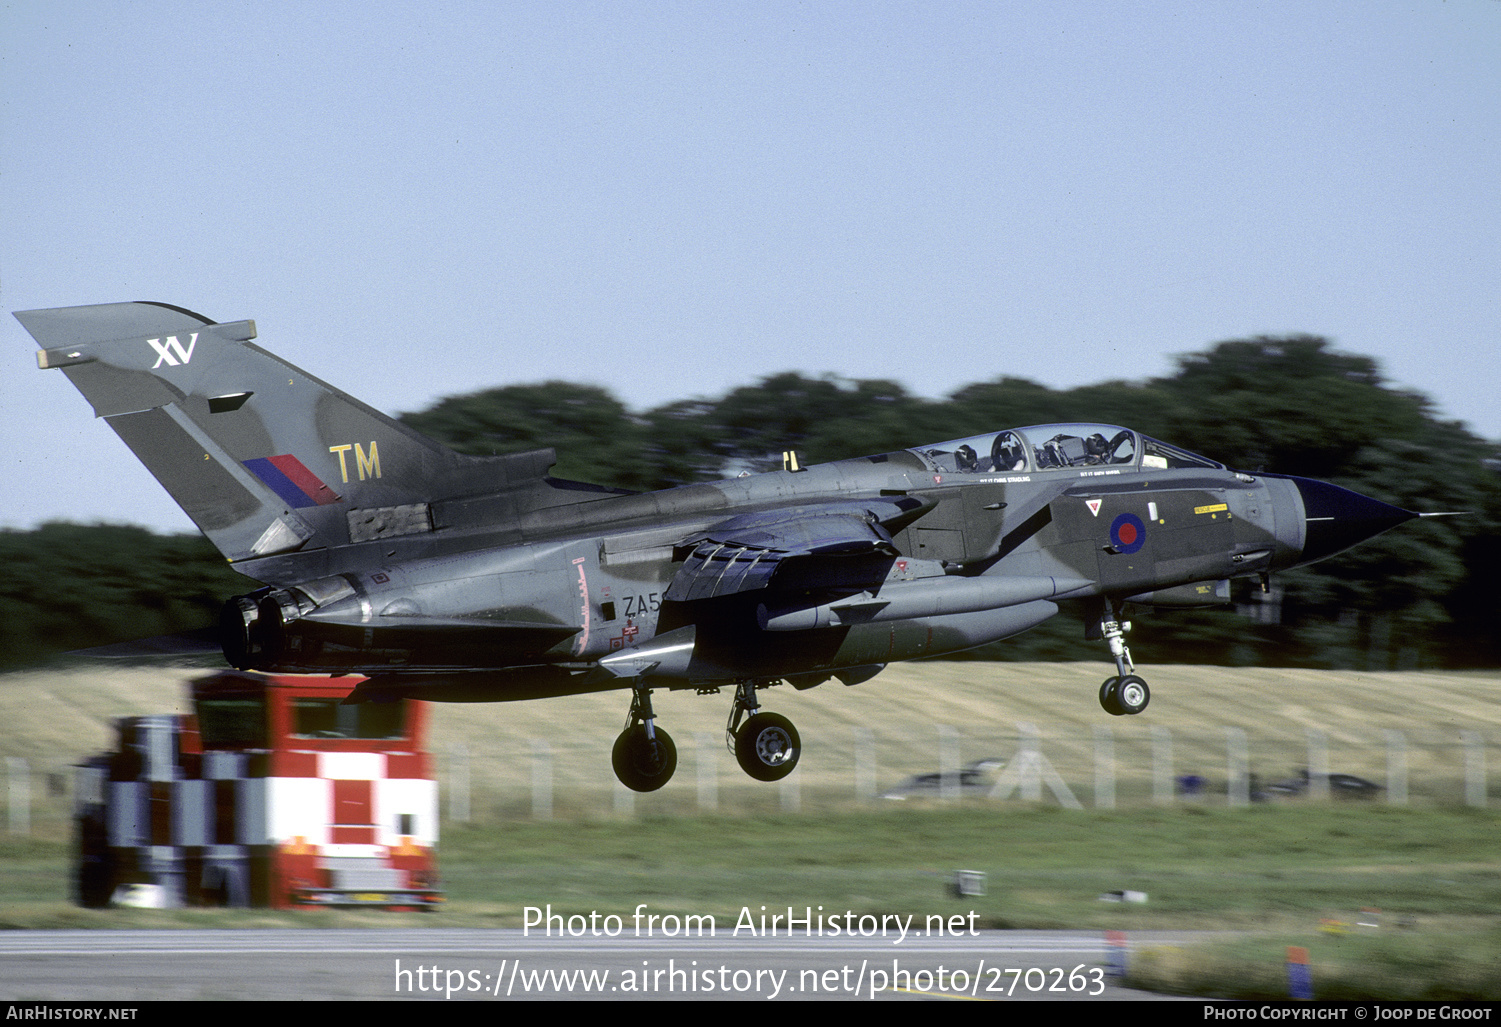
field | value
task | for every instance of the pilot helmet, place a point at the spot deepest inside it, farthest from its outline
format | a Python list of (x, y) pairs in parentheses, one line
[(1008, 453)]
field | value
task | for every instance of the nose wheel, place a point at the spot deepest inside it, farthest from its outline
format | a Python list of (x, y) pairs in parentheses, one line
[(1121, 696), (1125, 694)]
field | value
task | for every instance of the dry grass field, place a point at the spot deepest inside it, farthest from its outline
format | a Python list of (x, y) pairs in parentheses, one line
[(914, 716)]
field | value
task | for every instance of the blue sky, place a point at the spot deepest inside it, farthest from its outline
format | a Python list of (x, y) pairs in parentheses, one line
[(415, 200)]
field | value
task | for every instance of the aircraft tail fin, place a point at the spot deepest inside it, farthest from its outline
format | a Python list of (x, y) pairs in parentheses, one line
[(265, 458)]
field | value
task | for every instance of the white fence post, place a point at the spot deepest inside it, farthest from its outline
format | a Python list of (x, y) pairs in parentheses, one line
[(1318, 764), (865, 764), (708, 769), (541, 780), (1104, 767), (792, 793), (1396, 768), (948, 763), (1474, 768), (458, 783), (1162, 764), (19, 772), (1237, 767), (625, 799)]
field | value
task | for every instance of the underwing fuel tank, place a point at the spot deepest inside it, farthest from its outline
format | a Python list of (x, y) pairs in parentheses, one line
[(930, 597)]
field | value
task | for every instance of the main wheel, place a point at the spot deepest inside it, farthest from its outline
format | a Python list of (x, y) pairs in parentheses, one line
[(768, 747), (641, 763), (1132, 695), (1107, 697)]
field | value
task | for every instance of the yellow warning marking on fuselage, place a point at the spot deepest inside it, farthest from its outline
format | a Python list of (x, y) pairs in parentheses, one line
[(1216, 508)]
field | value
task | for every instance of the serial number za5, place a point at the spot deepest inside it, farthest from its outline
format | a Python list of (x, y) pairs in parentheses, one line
[(640, 606)]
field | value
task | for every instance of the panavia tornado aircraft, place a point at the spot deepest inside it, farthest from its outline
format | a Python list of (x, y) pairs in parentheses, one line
[(450, 577)]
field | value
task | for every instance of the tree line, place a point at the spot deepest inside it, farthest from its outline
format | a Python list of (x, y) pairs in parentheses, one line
[(1422, 595)]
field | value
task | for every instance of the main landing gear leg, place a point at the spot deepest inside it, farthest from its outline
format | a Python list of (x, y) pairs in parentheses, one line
[(767, 746), (1125, 693), (644, 755)]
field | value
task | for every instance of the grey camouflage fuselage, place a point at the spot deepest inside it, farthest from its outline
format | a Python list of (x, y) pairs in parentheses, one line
[(440, 575)]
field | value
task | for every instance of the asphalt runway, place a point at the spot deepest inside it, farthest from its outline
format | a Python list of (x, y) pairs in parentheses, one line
[(503, 965)]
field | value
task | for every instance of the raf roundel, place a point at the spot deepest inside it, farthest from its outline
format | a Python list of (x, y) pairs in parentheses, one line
[(1127, 533)]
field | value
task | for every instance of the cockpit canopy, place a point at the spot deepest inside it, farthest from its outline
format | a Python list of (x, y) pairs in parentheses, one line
[(1050, 447)]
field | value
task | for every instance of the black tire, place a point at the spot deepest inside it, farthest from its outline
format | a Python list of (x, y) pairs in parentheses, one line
[(768, 747), (1132, 695), (644, 765), (1107, 697)]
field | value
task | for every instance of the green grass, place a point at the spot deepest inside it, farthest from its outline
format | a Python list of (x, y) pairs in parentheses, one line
[(1271, 874), (1206, 868), (1202, 868), (1409, 964)]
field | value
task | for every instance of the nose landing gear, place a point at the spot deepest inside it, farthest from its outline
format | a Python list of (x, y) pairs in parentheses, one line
[(1125, 693)]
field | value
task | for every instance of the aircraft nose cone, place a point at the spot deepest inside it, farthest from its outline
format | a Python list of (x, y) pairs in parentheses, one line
[(1338, 518)]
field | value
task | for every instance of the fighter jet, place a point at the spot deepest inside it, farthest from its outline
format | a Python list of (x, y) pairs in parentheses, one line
[(443, 576)]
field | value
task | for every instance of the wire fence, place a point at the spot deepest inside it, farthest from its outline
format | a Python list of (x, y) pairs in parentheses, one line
[(944, 764), (1106, 769)]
